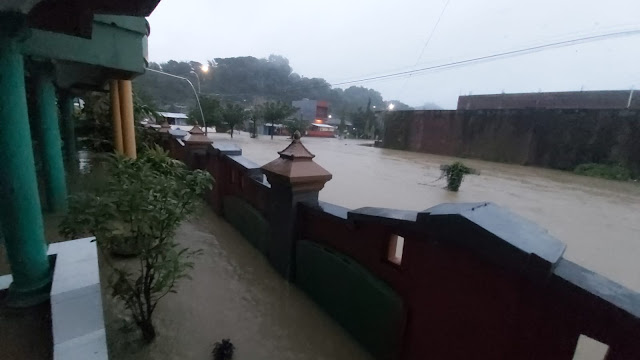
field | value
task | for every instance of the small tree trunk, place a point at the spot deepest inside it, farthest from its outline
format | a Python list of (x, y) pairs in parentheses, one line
[(232, 132), (272, 129), (148, 331)]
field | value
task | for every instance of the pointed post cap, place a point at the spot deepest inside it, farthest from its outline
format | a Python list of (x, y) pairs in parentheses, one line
[(295, 167), (197, 136), (165, 127)]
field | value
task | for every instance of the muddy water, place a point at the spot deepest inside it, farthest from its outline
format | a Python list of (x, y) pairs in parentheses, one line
[(599, 220), (234, 294)]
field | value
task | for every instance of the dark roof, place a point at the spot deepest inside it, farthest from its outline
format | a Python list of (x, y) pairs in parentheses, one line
[(75, 17)]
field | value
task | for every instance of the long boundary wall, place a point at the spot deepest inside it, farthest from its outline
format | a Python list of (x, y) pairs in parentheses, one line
[(559, 139), (455, 281)]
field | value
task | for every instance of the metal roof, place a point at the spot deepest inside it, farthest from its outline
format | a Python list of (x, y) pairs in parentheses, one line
[(322, 125), (173, 115)]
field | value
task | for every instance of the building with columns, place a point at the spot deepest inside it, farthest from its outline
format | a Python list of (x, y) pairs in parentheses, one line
[(59, 49)]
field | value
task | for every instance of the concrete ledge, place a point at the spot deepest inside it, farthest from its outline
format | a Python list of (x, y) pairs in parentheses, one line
[(76, 302), (5, 281)]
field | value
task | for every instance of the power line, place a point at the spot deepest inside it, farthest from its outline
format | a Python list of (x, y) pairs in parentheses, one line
[(511, 53), (433, 31), (460, 63)]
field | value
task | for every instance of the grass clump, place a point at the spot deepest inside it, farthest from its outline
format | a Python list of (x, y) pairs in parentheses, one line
[(605, 171)]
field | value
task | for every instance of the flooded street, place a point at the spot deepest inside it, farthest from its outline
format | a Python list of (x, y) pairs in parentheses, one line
[(234, 294), (598, 219)]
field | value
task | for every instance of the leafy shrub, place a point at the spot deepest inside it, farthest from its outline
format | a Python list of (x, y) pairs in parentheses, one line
[(136, 209), (454, 174), (611, 172), (223, 350), (94, 125)]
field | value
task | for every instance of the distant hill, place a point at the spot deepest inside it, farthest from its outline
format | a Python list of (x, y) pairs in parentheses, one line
[(248, 80), (429, 106)]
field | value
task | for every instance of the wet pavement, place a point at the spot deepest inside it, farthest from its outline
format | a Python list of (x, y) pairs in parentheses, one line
[(598, 219)]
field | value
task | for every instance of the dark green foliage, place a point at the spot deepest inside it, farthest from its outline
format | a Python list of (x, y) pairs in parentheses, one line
[(298, 125), (136, 208), (454, 174), (223, 350), (364, 122), (275, 112), (233, 115), (94, 125), (611, 172), (212, 110), (249, 80)]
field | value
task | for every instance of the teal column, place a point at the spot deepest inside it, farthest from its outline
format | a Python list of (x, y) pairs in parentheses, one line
[(46, 120), (68, 129), (19, 202)]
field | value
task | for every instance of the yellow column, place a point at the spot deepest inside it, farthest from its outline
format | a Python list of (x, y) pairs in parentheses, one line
[(126, 114), (115, 117)]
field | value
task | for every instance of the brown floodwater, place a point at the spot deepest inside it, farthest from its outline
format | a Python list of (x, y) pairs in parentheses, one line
[(598, 219)]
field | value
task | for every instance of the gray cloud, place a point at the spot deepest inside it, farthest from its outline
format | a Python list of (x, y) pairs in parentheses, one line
[(345, 40)]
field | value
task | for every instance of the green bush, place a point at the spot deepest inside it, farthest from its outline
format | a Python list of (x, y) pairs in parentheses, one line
[(606, 171), (135, 210), (455, 173)]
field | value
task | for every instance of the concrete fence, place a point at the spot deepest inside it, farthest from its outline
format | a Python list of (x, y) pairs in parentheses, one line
[(455, 281), (554, 138)]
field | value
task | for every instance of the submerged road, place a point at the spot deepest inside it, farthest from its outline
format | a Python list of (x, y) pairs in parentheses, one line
[(598, 219)]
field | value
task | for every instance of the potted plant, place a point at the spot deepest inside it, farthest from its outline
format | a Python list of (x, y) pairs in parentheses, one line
[(136, 210)]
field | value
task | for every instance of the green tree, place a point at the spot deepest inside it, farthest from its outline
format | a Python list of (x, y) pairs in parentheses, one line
[(247, 78), (212, 110), (275, 112), (296, 124), (342, 126), (232, 115), (364, 121), (94, 125), (254, 118)]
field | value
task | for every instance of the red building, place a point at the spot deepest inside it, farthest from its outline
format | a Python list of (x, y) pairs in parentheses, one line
[(316, 112)]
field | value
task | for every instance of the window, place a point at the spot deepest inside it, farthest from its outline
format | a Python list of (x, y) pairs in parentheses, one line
[(396, 247), (590, 349)]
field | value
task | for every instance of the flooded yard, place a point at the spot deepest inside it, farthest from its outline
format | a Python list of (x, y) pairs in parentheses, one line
[(234, 294), (598, 219)]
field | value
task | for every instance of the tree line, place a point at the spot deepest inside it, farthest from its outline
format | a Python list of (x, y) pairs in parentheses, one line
[(249, 81)]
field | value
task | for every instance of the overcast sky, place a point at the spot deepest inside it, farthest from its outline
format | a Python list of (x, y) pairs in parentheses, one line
[(343, 40)]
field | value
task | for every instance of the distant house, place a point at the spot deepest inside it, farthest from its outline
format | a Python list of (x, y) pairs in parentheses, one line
[(315, 112), (278, 129), (335, 122), (179, 121), (321, 130), (312, 110)]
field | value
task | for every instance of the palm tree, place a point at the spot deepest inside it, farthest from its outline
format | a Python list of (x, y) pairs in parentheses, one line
[(274, 112)]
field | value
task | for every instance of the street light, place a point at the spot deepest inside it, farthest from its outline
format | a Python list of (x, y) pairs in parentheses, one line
[(194, 92), (197, 77), (391, 106), (204, 68)]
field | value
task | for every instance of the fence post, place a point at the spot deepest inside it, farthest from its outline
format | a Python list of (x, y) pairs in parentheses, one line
[(294, 178)]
